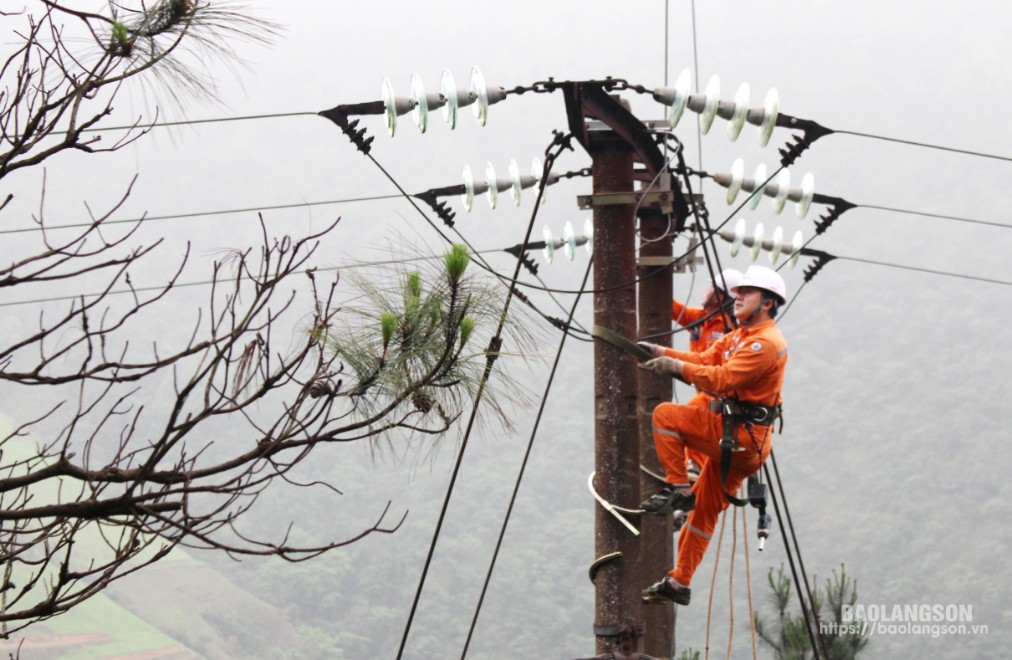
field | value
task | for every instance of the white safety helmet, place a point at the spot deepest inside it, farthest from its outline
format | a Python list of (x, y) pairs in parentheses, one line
[(764, 278), (728, 280)]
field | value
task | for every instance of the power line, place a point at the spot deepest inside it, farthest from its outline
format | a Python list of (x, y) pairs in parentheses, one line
[(926, 145), (551, 320), (198, 214), (570, 321), (797, 551), (695, 63), (695, 52), (187, 122), (838, 206), (887, 264), (523, 466), (360, 264), (926, 270), (667, 25), (935, 215), (373, 198), (790, 560), (493, 350), (703, 223), (793, 298)]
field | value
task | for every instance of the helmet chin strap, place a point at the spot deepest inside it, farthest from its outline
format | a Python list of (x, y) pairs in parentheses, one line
[(751, 317)]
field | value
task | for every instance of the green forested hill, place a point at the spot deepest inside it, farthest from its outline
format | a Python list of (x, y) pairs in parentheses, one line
[(178, 608)]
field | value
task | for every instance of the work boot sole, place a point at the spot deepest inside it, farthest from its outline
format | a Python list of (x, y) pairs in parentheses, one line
[(665, 503), (666, 591)]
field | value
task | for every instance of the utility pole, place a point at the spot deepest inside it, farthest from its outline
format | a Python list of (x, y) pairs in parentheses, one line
[(616, 446), (656, 536), (615, 139)]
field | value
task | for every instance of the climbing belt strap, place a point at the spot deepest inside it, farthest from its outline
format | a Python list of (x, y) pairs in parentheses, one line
[(732, 413)]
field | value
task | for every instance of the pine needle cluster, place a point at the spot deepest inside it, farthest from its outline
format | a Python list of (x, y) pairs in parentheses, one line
[(418, 342)]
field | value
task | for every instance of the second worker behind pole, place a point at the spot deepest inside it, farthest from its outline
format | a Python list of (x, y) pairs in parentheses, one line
[(706, 325), (744, 371)]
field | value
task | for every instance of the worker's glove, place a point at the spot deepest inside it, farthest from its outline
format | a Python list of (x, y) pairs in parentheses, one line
[(652, 349), (664, 366)]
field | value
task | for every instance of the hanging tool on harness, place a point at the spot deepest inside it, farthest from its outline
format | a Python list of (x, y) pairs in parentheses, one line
[(732, 413), (757, 498), (763, 531)]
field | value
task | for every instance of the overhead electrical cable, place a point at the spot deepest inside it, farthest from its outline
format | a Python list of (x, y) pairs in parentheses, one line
[(189, 122), (358, 264), (199, 214), (703, 223), (926, 145), (935, 215), (797, 549), (640, 89), (919, 269), (667, 23), (494, 346), (695, 64), (349, 200), (535, 286), (523, 465), (790, 562)]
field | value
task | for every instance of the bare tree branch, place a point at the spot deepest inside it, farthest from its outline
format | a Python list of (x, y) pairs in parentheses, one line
[(146, 445)]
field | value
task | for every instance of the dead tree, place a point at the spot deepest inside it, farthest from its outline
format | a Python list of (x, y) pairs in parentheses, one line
[(144, 445)]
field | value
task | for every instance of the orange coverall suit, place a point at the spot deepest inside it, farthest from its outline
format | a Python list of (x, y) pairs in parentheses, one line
[(703, 335), (701, 338), (748, 365)]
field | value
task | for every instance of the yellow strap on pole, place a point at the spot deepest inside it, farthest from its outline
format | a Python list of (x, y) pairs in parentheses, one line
[(621, 343)]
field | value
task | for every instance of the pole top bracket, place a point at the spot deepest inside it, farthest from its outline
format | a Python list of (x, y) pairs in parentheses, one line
[(662, 198)]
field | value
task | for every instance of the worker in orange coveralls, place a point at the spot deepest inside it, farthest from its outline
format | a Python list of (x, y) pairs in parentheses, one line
[(746, 370), (706, 325)]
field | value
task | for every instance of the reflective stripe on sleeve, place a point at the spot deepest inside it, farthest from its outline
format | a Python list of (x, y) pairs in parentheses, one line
[(698, 532)]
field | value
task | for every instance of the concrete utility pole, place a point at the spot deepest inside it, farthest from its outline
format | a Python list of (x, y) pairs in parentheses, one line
[(615, 139), (616, 446), (656, 538)]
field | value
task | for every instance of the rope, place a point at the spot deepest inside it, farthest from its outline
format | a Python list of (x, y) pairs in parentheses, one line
[(748, 581), (730, 582), (713, 582)]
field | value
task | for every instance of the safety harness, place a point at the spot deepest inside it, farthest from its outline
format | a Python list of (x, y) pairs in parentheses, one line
[(732, 413)]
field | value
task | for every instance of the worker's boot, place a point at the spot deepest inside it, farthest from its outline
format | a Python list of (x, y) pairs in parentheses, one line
[(667, 590), (670, 498)]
